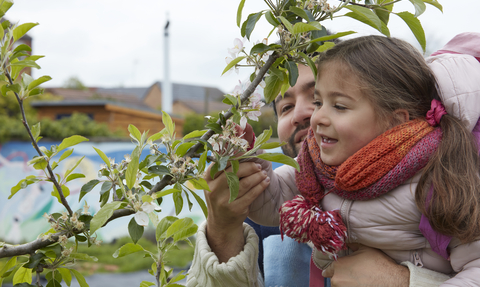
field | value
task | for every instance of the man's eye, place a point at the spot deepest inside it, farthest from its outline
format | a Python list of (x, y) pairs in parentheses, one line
[(286, 108), (317, 103)]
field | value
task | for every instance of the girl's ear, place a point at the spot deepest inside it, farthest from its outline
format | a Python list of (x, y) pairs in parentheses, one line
[(401, 116)]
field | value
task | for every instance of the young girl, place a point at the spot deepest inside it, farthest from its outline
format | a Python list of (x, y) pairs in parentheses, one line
[(384, 164)]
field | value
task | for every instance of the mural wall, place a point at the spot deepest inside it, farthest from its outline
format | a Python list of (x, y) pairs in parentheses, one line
[(21, 216)]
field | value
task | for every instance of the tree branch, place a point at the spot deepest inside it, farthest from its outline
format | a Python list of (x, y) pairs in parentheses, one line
[(166, 180), (37, 148)]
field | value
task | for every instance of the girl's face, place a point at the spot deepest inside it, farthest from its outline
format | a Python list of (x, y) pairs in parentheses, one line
[(344, 120)]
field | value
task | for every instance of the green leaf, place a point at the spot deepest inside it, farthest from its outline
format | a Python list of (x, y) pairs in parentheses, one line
[(235, 167), (292, 69), (75, 176), (179, 226), (135, 230), (365, 15), (287, 24), (84, 257), (10, 264), (382, 14), (273, 86), (233, 184), (249, 24), (39, 81), (132, 170), (271, 19), (301, 27), (22, 29), (53, 283), (201, 203), (106, 186), (22, 275), (87, 187), (185, 233), (299, 12), (233, 63), (34, 260), (103, 156), (71, 141), (217, 128), (22, 284), (67, 277), (435, 4), (200, 183), (419, 7), (36, 131), (260, 48), (168, 123), (183, 148), (280, 158), (6, 4), (325, 46), (74, 166), (310, 63), (384, 29), (80, 278), (263, 137), (146, 284), (230, 100), (159, 169), (65, 191), (271, 145), (202, 161), (134, 133), (239, 12), (195, 134), (416, 27), (65, 154), (163, 225), (178, 202), (166, 192), (101, 217)]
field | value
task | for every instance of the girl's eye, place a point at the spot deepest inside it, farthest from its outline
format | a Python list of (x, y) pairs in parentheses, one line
[(340, 108), (317, 103)]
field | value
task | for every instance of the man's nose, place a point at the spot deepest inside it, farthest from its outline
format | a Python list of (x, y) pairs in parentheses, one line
[(302, 113)]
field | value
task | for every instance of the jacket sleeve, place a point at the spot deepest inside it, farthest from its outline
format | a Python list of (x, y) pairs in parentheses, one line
[(465, 259), (424, 277), (240, 271), (282, 187)]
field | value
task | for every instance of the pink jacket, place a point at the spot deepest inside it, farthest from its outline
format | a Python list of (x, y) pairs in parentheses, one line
[(391, 221)]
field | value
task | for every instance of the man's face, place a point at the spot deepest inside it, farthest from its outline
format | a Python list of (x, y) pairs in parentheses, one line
[(294, 111)]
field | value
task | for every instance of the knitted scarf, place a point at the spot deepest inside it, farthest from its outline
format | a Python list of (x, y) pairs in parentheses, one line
[(380, 166)]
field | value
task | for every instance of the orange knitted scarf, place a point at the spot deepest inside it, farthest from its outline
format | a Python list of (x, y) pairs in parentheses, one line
[(383, 164)]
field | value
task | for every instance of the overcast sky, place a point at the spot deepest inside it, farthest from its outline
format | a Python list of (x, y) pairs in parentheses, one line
[(112, 43)]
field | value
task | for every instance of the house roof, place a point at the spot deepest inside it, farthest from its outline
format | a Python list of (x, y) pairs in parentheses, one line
[(187, 92), (199, 106), (94, 102)]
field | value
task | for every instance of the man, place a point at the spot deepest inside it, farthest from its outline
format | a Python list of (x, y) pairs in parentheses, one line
[(226, 249)]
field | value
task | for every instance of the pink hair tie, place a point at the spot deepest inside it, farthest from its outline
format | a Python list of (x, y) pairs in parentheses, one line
[(434, 115)]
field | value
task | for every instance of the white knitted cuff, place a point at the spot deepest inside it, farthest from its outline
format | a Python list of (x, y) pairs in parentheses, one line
[(422, 277), (241, 270)]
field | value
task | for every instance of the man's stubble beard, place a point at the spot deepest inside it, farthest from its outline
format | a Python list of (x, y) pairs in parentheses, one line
[(290, 148)]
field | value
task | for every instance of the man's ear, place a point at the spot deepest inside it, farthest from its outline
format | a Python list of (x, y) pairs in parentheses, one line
[(401, 115)]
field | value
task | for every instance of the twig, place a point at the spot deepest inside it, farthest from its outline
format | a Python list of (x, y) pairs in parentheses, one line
[(37, 148), (246, 94)]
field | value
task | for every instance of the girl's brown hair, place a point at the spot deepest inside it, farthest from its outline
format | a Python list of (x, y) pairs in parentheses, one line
[(394, 75)]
